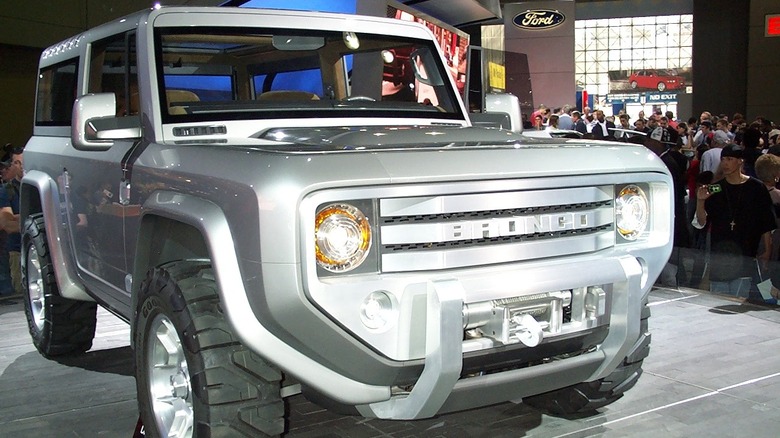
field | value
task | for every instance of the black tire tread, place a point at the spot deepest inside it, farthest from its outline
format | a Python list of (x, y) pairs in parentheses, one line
[(236, 392), (70, 325)]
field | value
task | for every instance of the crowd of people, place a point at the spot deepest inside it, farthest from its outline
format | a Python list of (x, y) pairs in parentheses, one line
[(726, 171)]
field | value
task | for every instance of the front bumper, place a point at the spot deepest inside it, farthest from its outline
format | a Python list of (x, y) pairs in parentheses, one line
[(441, 384), (440, 388)]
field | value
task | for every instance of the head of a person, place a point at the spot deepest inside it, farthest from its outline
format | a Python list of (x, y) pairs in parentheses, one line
[(624, 120), (16, 165), (682, 128), (6, 172), (669, 115), (663, 121), (705, 115), (652, 121), (706, 126), (575, 115), (639, 124), (731, 159), (720, 139), (554, 120), (600, 115), (538, 120), (774, 137), (768, 168)]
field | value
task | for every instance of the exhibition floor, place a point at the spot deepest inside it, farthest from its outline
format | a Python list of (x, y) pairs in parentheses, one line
[(713, 371)]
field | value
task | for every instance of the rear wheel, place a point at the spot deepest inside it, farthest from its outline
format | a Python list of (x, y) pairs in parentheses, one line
[(587, 396), (661, 86), (194, 378), (58, 325)]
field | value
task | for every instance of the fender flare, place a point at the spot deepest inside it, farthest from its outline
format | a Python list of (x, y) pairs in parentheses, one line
[(59, 241), (211, 222)]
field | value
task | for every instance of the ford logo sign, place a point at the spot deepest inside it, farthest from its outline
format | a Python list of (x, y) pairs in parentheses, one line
[(540, 19)]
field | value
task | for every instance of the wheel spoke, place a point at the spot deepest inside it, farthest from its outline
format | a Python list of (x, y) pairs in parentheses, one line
[(169, 380), (35, 288)]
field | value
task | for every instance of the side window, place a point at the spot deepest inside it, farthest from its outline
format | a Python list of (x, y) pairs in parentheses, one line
[(112, 69), (56, 93)]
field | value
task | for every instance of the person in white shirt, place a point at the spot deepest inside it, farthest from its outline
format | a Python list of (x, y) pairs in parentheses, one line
[(710, 160)]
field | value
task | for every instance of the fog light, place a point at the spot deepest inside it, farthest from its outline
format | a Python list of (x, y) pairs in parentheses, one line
[(377, 310)]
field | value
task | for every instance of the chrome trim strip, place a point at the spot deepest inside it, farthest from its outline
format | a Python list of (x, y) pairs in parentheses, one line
[(492, 201)]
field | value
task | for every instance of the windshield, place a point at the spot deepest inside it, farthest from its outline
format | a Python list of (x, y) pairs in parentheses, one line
[(218, 73)]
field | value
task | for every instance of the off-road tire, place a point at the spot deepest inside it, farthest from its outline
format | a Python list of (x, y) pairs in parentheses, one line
[(58, 326), (588, 396), (232, 391)]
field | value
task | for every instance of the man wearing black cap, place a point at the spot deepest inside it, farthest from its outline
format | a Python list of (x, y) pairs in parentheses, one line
[(738, 210)]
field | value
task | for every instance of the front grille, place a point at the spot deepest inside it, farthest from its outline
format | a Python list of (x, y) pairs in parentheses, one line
[(494, 240), (494, 213), (454, 231)]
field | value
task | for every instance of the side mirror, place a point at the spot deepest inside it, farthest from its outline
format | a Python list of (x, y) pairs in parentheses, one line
[(95, 125)]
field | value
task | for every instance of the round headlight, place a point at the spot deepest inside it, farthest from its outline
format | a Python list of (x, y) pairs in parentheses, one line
[(343, 237), (631, 212)]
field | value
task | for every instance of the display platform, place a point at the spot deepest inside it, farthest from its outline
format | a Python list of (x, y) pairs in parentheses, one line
[(713, 371)]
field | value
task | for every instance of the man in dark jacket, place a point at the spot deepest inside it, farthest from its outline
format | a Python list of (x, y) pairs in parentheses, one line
[(602, 127)]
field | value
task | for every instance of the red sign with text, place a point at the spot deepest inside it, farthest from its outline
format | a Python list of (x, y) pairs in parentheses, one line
[(773, 25)]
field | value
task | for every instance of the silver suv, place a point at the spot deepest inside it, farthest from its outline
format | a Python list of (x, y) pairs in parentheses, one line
[(289, 202)]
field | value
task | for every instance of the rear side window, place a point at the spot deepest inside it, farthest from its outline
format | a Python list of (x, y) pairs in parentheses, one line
[(56, 93), (112, 69)]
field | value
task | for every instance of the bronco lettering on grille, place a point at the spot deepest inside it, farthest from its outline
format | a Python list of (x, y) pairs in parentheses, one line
[(517, 225)]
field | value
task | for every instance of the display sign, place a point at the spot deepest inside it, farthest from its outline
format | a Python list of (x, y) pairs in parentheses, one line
[(623, 98), (497, 74), (539, 19), (661, 97), (773, 25)]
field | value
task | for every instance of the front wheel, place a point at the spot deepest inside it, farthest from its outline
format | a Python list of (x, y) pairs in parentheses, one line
[(587, 396), (58, 325), (193, 376), (661, 86)]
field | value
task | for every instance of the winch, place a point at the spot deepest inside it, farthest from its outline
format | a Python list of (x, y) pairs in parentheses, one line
[(528, 319)]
